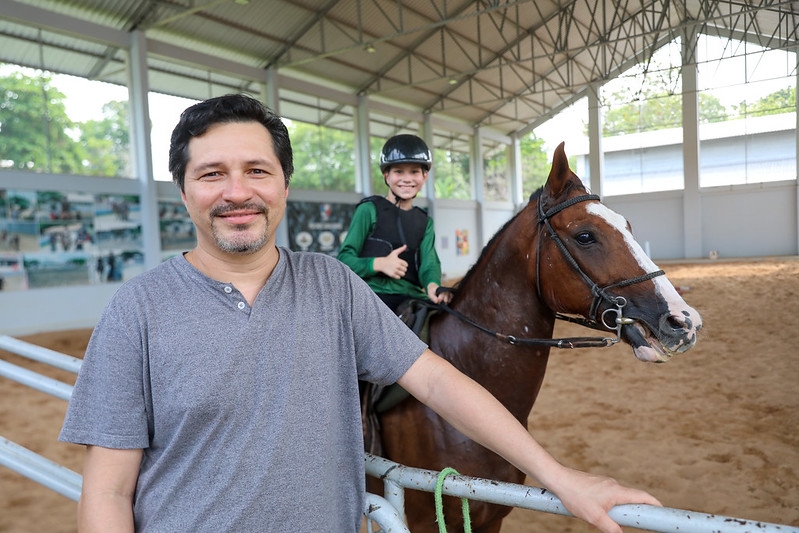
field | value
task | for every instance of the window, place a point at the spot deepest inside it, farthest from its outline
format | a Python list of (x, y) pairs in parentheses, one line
[(61, 124), (750, 93), (451, 161), (324, 158)]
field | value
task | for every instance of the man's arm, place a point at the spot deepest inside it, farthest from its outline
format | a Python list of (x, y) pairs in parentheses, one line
[(456, 397), (109, 482)]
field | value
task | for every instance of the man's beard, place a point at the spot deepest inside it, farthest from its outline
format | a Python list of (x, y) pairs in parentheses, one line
[(241, 241)]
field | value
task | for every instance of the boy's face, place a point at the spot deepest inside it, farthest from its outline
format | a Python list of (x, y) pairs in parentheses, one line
[(405, 180)]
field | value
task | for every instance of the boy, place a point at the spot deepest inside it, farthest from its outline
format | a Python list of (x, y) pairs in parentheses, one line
[(391, 243)]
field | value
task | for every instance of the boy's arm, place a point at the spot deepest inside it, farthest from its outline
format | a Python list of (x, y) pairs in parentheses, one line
[(363, 220), (109, 483), (456, 397), (430, 266)]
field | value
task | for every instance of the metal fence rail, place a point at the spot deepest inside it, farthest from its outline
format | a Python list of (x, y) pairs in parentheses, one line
[(385, 512), (397, 477)]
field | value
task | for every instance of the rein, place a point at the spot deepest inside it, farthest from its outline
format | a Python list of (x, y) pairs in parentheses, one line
[(566, 342), (600, 294)]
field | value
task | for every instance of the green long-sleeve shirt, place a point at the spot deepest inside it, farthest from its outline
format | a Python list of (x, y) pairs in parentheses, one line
[(362, 225)]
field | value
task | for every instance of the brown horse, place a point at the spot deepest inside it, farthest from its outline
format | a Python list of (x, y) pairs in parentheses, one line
[(564, 253)]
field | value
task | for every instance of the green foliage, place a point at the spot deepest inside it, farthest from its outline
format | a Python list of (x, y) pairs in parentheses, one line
[(452, 175), (106, 142), (496, 183), (36, 133), (655, 108), (535, 166), (781, 101), (653, 111), (324, 158), (378, 182), (34, 126)]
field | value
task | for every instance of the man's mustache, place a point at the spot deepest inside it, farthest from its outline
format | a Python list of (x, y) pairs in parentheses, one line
[(229, 208)]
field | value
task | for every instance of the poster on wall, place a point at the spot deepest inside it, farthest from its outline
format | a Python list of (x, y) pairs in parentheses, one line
[(53, 238), (119, 251), (177, 230), (461, 242), (318, 226)]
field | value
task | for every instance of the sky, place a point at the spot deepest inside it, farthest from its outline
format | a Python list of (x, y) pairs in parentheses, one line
[(85, 99)]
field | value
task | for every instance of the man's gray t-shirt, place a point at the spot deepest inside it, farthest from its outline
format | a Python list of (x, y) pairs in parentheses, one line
[(248, 416)]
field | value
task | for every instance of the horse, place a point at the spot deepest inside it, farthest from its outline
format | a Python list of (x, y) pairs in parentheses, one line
[(564, 255)]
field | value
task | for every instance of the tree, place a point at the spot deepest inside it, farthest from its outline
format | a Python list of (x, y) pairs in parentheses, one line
[(495, 176), (781, 101), (37, 134), (653, 109), (452, 175), (34, 126), (106, 142), (323, 158), (535, 165)]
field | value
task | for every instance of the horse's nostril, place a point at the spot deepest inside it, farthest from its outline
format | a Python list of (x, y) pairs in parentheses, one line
[(679, 322)]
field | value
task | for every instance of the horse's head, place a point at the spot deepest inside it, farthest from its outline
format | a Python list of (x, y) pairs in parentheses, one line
[(589, 264)]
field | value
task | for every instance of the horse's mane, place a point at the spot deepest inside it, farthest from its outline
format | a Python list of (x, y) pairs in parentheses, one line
[(490, 244), (569, 186)]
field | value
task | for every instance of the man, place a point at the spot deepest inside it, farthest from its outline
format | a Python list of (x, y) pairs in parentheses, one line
[(219, 389)]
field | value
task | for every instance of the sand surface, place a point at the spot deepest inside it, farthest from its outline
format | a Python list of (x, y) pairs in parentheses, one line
[(715, 430)]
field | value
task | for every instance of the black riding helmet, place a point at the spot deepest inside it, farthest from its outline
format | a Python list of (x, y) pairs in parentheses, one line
[(405, 149)]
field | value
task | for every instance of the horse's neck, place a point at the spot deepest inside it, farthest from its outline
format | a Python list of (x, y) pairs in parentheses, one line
[(500, 294), (503, 285)]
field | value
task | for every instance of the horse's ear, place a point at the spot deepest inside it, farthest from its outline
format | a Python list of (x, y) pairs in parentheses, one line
[(560, 173)]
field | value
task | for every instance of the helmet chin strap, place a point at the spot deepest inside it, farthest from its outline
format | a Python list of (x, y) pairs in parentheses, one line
[(397, 199)]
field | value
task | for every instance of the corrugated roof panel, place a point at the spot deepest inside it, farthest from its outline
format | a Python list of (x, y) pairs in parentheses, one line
[(511, 62)]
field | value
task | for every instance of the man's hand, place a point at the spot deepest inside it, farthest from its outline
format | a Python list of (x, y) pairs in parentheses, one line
[(391, 265), (590, 497)]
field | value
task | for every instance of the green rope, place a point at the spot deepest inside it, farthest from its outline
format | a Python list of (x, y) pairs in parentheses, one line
[(442, 528)]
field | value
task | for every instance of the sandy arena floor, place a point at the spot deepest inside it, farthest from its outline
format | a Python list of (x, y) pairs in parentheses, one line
[(715, 430)]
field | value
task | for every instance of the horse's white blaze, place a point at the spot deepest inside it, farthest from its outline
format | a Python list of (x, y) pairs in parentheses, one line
[(677, 306), (620, 224)]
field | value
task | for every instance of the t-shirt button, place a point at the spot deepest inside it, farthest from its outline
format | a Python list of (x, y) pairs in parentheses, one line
[(228, 289), (242, 305)]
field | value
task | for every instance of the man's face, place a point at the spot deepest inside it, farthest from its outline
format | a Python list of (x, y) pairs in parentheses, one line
[(235, 189), (405, 180)]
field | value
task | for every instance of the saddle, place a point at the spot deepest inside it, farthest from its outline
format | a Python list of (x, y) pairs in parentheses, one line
[(377, 399)]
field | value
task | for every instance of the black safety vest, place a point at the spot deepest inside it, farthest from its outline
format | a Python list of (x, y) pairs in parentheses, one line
[(393, 228)]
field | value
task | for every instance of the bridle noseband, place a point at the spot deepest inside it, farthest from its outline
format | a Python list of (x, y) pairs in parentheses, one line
[(600, 294)]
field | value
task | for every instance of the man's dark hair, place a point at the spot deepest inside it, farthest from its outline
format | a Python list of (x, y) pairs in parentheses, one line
[(196, 120)]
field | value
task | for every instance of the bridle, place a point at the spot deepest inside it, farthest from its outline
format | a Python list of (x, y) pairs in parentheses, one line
[(600, 294)]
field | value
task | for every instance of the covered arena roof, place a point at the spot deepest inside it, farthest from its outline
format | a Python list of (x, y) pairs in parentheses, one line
[(506, 65)]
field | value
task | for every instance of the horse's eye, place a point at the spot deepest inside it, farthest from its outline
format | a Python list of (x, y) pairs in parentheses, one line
[(585, 238)]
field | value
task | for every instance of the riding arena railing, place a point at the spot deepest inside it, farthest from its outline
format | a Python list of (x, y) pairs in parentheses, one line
[(387, 511)]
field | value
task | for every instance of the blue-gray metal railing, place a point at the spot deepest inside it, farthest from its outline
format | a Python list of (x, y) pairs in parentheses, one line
[(397, 477), (40, 469), (385, 512)]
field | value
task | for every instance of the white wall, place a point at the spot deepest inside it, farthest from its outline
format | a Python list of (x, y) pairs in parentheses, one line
[(750, 220), (450, 217), (737, 221), (656, 219)]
